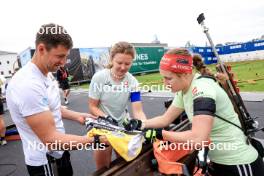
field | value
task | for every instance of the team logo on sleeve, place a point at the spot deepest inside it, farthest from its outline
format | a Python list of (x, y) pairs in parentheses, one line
[(196, 93), (194, 90)]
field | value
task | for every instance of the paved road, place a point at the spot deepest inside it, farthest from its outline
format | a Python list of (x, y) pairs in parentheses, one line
[(12, 157)]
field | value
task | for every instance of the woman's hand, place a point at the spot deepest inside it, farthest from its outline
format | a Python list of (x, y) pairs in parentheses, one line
[(133, 124)]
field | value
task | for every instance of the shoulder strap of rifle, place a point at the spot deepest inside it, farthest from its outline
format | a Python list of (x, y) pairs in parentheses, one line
[(229, 122), (213, 78)]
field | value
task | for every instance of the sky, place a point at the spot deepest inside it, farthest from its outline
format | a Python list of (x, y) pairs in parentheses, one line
[(101, 23)]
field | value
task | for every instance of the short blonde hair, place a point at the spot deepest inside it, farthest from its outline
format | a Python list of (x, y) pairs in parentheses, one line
[(123, 48)]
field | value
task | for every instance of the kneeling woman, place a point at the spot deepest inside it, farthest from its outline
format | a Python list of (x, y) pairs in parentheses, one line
[(202, 99)]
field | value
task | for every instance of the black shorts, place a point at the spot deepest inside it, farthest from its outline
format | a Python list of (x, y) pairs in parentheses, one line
[(64, 167), (255, 168), (64, 85), (1, 107)]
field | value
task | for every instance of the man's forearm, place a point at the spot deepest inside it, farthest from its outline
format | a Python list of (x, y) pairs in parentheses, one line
[(61, 141), (69, 114)]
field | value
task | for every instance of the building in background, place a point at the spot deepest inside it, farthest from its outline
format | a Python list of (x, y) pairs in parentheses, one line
[(25, 56), (233, 52), (82, 63), (8, 63)]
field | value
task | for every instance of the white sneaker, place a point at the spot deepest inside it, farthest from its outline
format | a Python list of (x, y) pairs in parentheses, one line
[(3, 142), (66, 101)]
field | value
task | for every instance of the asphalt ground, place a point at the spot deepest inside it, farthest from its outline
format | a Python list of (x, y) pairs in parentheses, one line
[(12, 158)]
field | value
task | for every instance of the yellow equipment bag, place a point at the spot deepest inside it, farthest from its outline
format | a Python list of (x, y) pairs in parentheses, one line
[(128, 146)]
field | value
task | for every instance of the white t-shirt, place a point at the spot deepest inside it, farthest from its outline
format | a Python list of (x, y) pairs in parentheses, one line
[(113, 96), (30, 92)]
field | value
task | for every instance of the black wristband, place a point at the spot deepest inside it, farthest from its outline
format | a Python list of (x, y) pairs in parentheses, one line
[(159, 134), (98, 143), (96, 139)]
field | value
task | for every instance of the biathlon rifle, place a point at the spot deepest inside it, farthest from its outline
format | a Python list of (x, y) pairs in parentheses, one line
[(249, 124), (106, 124)]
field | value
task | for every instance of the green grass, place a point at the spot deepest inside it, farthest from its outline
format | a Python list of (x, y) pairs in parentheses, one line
[(84, 86), (149, 79), (250, 75), (244, 72), (258, 87)]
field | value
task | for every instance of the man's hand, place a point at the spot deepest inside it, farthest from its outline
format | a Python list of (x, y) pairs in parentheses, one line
[(152, 134), (83, 116), (133, 124), (97, 139)]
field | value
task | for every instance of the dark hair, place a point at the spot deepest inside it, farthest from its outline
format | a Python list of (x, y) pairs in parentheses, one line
[(200, 66), (123, 48), (52, 35)]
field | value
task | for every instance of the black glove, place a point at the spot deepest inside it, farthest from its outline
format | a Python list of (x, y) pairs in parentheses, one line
[(132, 124), (108, 119), (152, 134)]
